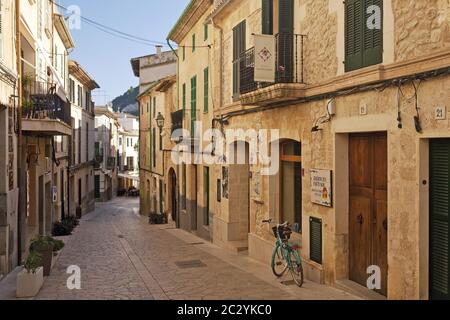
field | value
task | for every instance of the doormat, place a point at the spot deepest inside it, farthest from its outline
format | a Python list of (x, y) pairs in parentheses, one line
[(192, 264)]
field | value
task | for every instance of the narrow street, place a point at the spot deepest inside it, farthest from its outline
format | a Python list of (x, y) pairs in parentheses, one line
[(122, 257)]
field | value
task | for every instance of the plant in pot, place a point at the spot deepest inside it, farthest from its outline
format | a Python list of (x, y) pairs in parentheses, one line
[(31, 278), (44, 247)]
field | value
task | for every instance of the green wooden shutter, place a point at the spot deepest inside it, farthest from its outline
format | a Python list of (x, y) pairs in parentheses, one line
[(206, 90), (206, 32), (193, 42), (439, 218), (184, 53), (373, 39), (315, 240), (184, 97), (239, 45), (267, 16), (193, 104), (354, 30), (206, 196), (285, 42)]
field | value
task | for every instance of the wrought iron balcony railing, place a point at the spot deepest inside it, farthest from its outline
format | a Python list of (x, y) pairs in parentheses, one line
[(289, 63), (40, 101)]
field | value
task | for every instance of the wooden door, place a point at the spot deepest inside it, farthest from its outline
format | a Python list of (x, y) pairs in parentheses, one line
[(368, 206)]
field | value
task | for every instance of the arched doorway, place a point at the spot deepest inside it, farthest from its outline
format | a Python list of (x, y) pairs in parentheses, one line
[(173, 194)]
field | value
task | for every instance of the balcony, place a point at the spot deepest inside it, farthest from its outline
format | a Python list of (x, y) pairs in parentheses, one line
[(98, 161), (111, 163), (289, 72), (44, 113)]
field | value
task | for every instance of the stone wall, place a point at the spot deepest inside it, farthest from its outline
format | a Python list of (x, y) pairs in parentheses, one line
[(421, 27), (319, 25)]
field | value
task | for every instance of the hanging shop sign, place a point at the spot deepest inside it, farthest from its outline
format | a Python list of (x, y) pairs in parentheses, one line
[(321, 187), (265, 58)]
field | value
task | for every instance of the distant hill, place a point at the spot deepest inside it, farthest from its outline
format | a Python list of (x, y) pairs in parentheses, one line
[(127, 102)]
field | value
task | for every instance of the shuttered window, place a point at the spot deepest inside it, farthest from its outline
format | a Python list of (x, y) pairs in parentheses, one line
[(184, 97), (363, 45), (206, 90), (193, 42), (184, 53), (439, 218), (206, 195), (205, 31), (267, 16), (239, 44), (193, 104), (315, 240)]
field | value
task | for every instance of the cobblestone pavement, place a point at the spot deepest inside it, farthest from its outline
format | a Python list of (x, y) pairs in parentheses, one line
[(122, 257)]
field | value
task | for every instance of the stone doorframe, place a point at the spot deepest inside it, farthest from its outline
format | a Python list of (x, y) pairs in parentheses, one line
[(341, 129)]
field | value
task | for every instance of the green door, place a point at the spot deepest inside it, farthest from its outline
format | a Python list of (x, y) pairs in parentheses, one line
[(97, 187), (439, 218)]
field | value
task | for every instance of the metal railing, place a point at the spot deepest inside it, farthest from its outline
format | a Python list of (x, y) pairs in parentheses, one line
[(289, 63), (40, 101)]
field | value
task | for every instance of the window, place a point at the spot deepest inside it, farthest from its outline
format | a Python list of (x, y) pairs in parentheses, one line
[(184, 190), (206, 90), (87, 141), (193, 104), (363, 46), (239, 44), (56, 57), (184, 53), (154, 147), (193, 42), (80, 96), (267, 17), (184, 97), (160, 140), (79, 141), (154, 107), (291, 183), (206, 195), (205, 32), (148, 107), (161, 196)]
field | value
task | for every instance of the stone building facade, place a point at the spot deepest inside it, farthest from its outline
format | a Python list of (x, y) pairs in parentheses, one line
[(360, 112), (9, 192), (82, 153), (106, 166), (155, 72)]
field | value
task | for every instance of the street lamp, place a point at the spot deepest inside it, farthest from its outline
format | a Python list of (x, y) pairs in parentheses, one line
[(160, 121)]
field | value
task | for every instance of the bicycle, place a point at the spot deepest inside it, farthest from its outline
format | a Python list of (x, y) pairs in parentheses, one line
[(285, 255)]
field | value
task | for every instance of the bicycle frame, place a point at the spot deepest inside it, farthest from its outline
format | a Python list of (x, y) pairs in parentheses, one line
[(286, 250)]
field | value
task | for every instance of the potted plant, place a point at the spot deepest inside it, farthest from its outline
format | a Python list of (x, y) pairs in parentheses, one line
[(31, 278), (45, 247)]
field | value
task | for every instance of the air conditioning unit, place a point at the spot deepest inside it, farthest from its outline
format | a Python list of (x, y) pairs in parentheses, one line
[(48, 165)]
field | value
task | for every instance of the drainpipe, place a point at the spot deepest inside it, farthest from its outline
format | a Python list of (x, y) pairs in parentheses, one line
[(178, 166)]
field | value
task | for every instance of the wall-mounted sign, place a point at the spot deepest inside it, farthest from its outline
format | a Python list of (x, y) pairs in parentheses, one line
[(321, 187), (54, 194), (265, 58)]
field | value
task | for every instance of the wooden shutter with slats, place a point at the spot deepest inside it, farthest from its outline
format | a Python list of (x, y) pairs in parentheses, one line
[(267, 16), (439, 218), (363, 46), (239, 45), (315, 240)]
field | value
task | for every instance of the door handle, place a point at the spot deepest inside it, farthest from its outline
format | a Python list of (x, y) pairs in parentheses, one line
[(360, 219)]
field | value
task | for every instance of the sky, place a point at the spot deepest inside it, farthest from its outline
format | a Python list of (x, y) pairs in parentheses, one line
[(107, 58)]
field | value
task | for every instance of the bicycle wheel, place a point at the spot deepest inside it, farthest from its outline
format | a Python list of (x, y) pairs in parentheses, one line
[(296, 268), (279, 264)]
